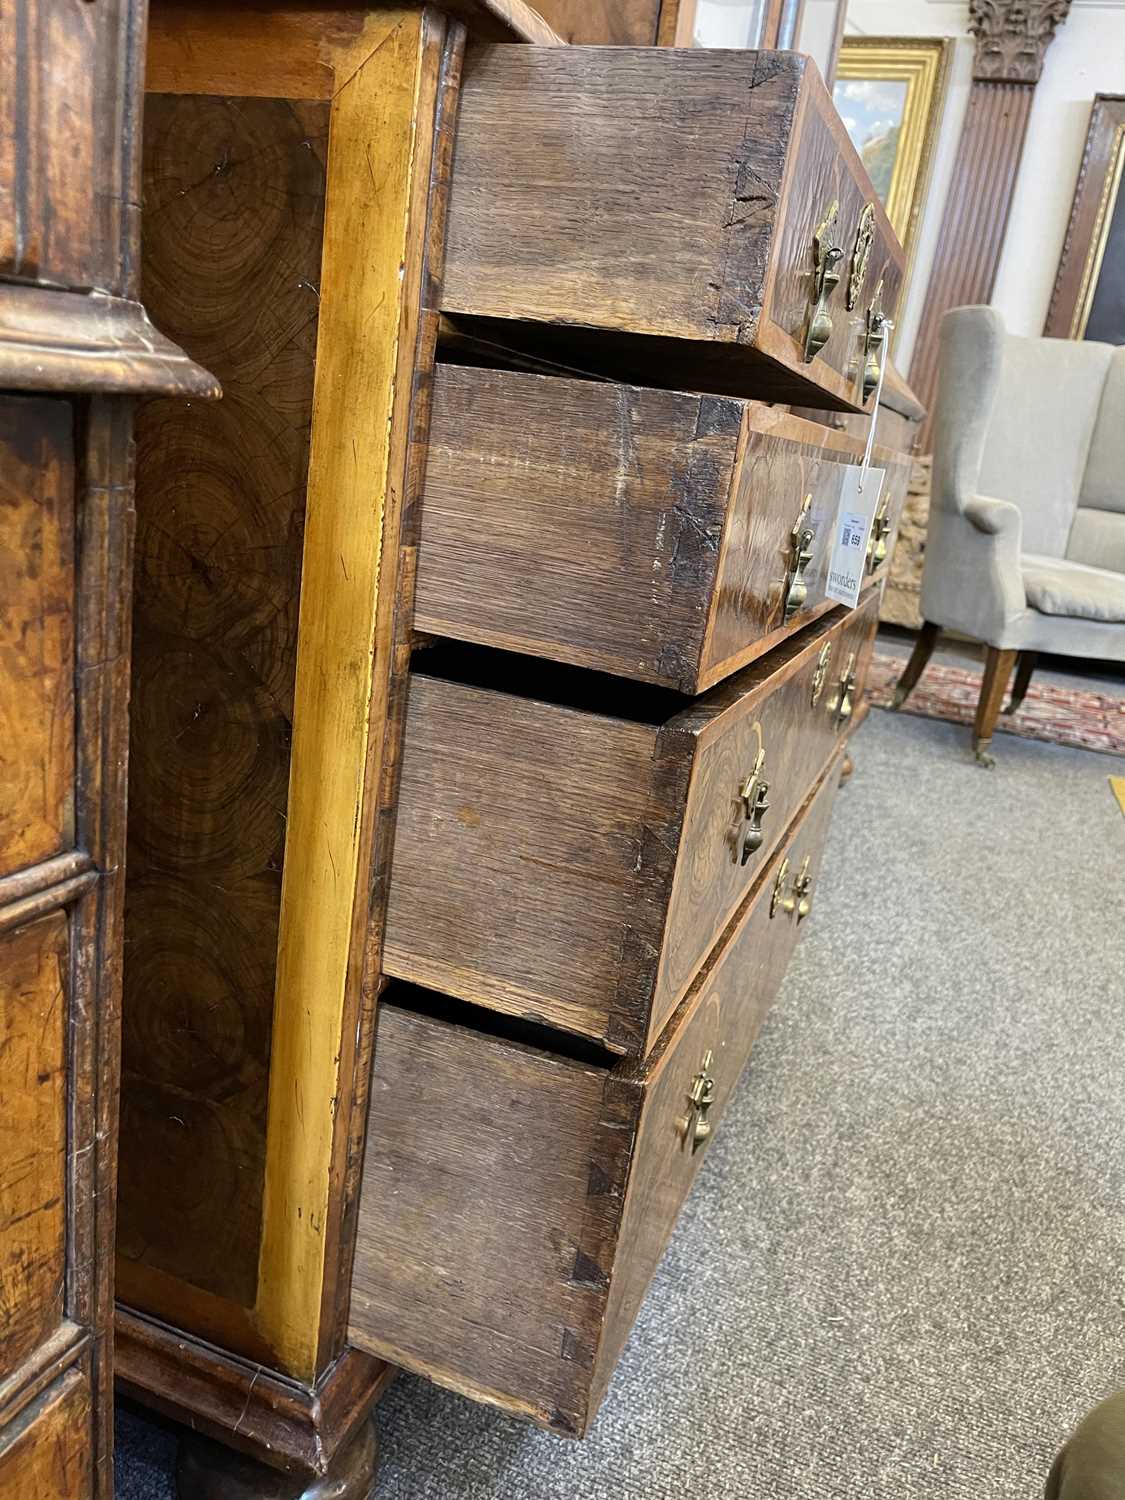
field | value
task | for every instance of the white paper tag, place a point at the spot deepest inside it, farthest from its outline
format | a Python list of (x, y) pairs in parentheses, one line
[(853, 528)]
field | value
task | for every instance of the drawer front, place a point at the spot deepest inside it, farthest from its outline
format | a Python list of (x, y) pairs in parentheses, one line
[(33, 1038), (36, 630), (829, 191), (512, 1216), (519, 832), (794, 728), (45, 1453), (579, 201)]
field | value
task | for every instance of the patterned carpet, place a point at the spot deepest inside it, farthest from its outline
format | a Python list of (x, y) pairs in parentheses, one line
[(1063, 716)]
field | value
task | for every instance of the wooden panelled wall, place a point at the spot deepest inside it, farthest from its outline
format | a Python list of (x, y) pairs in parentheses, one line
[(1012, 37)]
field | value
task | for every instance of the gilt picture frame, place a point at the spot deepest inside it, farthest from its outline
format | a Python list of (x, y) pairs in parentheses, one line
[(890, 92), (1088, 301)]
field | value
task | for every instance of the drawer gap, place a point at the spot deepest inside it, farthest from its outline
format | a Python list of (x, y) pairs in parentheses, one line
[(531, 677), (715, 368), (516, 1030)]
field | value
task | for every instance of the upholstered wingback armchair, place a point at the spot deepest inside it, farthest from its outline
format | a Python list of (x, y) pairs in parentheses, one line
[(1026, 543)]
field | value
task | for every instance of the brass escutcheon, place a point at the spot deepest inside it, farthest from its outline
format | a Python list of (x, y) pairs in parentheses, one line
[(801, 539), (825, 279), (700, 1099), (861, 252), (820, 676)]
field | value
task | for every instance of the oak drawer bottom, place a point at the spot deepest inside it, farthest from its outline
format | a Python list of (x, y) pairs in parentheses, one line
[(519, 1188)]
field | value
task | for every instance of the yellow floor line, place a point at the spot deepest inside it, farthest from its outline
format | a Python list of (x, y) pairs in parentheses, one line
[(1117, 787)]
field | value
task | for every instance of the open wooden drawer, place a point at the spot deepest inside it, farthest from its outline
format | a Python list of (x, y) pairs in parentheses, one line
[(663, 536), (519, 1188), (568, 848), (689, 217)]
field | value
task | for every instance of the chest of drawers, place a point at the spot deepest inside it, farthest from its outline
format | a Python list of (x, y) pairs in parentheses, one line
[(458, 892)]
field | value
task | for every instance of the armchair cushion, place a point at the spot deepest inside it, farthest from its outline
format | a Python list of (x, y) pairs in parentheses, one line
[(1056, 586)]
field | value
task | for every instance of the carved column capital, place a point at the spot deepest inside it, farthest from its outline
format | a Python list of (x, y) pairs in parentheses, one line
[(1012, 37)]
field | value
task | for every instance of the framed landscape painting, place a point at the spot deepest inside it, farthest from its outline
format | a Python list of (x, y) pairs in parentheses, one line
[(1089, 296), (890, 92)]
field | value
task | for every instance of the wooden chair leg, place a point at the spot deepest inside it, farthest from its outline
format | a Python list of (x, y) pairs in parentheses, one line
[(997, 670), (923, 650), (1024, 668)]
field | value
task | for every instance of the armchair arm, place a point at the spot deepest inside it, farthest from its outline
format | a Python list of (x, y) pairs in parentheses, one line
[(996, 518), (972, 579)]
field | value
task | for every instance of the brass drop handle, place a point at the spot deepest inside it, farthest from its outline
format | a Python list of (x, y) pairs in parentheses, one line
[(841, 704), (877, 546), (825, 279), (754, 792), (801, 539), (820, 675), (874, 341), (802, 891), (700, 1098), (797, 900)]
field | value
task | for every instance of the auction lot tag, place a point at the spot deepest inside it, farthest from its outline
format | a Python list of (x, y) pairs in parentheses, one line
[(853, 528)]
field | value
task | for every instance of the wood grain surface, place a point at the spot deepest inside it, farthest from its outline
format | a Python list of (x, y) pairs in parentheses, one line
[(46, 1451), (513, 1215), (608, 215), (234, 194), (575, 520), (37, 581), (34, 964), (550, 861), (618, 23), (67, 82)]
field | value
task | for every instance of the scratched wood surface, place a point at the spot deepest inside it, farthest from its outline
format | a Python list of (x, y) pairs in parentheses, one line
[(33, 1128), (563, 862), (45, 1454), (687, 246), (37, 582), (234, 192), (640, 532), (513, 1216)]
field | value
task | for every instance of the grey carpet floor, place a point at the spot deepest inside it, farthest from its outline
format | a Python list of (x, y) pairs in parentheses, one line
[(900, 1273)]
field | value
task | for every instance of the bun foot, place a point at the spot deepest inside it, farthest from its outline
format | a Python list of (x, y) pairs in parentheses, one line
[(208, 1470)]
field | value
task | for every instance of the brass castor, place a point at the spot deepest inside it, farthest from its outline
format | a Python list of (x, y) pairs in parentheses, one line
[(980, 750), (208, 1470)]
